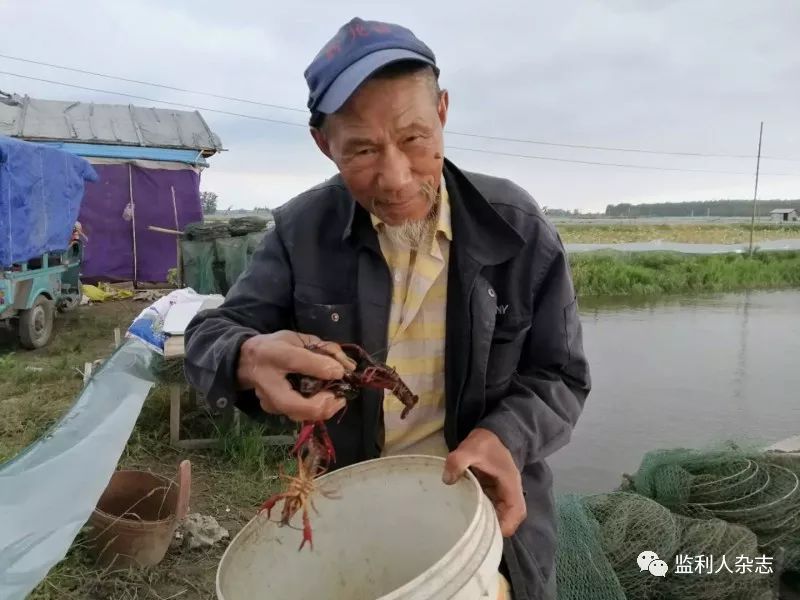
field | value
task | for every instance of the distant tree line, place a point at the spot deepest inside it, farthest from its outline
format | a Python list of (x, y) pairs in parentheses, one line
[(713, 208)]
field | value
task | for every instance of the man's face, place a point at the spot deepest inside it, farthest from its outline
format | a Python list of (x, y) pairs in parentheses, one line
[(387, 143)]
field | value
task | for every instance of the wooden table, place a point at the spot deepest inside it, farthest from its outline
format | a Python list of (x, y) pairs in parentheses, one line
[(174, 350)]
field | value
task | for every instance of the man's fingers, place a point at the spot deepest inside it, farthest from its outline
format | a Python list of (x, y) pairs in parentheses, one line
[(458, 461), (510, 519), (511, 512), (295, 338), (319, 407), (334, 350), (294, 359), (509, 502), (282, 399), (331, 405)]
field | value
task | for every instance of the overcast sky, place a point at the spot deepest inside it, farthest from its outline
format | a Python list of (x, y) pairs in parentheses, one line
[(675, 76)]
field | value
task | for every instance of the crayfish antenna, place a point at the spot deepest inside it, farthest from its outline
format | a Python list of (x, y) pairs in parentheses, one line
[(342, 413)]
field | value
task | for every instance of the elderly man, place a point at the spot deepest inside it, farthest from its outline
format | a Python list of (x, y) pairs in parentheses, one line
[(454, 278)]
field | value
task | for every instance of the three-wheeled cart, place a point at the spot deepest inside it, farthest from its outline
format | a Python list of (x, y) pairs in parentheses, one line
[(41, 244)]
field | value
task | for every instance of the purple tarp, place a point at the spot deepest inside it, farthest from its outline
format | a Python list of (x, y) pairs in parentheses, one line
[(108, 255)]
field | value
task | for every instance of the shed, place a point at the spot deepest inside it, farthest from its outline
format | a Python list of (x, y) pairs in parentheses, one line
[(149, 162), (783, 215)]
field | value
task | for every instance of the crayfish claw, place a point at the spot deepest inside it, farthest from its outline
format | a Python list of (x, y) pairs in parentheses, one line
[(270, 503), (306, 532), (306, 431), (327, 443)]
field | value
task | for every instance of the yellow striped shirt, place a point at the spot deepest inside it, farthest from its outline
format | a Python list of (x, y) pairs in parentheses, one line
[(417, 336), (417, 342)]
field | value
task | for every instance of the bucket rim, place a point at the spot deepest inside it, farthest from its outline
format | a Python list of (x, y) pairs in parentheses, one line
[(127, 520), (478, 491)]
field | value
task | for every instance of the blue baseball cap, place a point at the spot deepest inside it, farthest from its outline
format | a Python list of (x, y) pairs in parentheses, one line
[(357, 50)]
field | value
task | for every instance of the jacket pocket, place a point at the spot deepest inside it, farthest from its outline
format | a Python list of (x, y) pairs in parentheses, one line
[(507, 342), (329, 322)]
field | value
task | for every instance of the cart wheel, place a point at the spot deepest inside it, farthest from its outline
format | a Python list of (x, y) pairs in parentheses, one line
[(36, 324), (68, 303)]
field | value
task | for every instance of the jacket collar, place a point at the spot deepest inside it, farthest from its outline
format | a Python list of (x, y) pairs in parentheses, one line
[(477, 227)]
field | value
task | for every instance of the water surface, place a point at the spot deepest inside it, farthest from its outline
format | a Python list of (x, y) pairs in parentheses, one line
[(687, 371)]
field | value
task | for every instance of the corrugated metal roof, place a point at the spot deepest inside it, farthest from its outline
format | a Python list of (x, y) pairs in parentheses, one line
[(118, 124)]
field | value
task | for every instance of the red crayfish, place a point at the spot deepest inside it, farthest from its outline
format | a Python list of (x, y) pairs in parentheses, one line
[(314, 449)]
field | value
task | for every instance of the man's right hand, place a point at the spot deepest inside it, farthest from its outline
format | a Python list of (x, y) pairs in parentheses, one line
[(265, 360)]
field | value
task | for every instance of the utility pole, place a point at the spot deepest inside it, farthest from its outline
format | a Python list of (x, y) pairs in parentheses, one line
[(755, 193)]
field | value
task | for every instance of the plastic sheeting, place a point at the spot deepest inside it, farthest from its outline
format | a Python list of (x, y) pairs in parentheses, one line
[(48, 492), (41, 189)]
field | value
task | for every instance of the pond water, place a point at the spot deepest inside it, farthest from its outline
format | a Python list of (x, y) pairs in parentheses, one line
[(685, 371)]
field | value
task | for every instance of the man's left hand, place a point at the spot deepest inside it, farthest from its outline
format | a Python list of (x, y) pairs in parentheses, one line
[(493, 466)]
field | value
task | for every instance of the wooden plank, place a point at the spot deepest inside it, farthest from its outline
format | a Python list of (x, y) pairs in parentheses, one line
[(173, 347), (164, 230), (269, 440), (175, 412)]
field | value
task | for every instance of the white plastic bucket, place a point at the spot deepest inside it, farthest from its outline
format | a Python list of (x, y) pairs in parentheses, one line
[(396, 532)]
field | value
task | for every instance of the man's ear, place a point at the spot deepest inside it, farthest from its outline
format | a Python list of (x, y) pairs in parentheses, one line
[(444, 103), (322, 141)]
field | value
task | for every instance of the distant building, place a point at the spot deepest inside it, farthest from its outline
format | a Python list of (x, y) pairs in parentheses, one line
[(783, 215), (149, 162)]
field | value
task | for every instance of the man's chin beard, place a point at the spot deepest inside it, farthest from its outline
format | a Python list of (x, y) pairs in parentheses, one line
[(413, 233), (410, 234)]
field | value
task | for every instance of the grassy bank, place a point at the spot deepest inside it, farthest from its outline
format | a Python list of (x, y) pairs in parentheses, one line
[(651, 273), (705, 233), (228, 481)]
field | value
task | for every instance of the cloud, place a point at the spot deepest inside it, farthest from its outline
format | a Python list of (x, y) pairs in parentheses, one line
[(675, 75)]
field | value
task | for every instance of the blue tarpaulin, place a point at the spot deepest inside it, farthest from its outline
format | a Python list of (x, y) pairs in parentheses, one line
[(41, 189)]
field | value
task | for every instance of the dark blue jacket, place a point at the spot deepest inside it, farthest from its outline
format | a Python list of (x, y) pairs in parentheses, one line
[(514, 359)]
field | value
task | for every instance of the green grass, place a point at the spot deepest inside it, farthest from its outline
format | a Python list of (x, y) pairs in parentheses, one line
[(705, 233), (654, 273), (229, 481)]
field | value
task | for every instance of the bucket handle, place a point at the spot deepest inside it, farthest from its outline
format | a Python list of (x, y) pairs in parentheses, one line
[(184, 489)]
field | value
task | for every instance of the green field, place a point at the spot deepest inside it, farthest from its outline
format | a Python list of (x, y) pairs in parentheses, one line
[(661, 273), (691, 233)]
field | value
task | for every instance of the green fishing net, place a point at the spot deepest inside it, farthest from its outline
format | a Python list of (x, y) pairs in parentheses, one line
[(253, 241), (207, 230), (215, 254), (198, 258), (243, 225), (725, 523), (232, 257)]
